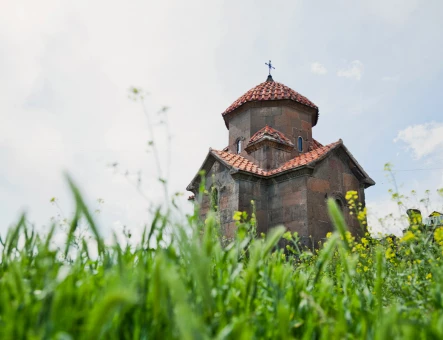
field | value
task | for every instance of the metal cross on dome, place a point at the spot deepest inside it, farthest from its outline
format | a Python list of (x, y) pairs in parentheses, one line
[(270, 66)]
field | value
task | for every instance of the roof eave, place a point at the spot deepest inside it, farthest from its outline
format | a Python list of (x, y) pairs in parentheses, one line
[(368, 181), (208, 156)]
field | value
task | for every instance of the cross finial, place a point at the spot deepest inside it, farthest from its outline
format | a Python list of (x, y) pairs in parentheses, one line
[(270, 67)]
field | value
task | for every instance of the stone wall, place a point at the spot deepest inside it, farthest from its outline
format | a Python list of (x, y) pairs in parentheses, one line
[(240, 127), (332, 178), (287, 205), (270, 157), (254, 191), (292, 119), (228, 197)]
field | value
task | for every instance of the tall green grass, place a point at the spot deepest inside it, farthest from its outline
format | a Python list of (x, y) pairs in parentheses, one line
[(190, 285)]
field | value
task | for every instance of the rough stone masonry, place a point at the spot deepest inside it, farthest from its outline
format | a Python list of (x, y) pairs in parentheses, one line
[(273, 159)]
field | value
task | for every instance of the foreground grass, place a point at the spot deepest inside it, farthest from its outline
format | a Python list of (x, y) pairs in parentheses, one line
[(192, 287)]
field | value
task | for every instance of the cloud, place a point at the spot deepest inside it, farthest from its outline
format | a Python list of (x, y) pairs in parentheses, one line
[(422, 139), (354, 70), (390, 78), (385, 217), (395, 12), (318, 68)]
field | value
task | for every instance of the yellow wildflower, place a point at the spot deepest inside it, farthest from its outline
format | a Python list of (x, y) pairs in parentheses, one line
[(389, 254), (287, 235), (362, 214), (351, 195), (359, 247), (408, 236), (438, 235), (237, 216)]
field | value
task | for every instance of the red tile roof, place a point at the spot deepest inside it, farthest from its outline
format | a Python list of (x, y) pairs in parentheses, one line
[(244, 164), (315, 145), (239, 162), (270, 90), (270, 132)]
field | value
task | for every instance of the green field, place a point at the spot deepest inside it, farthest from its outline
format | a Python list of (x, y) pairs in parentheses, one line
[(182, 282)]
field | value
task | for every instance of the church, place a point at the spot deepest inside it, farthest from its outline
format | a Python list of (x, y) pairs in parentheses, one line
[(272, 159)]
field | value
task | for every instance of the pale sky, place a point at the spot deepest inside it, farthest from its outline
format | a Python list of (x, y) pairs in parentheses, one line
[(374, 68)]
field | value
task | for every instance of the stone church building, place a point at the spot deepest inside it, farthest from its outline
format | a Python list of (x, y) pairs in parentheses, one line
[(273, 159)]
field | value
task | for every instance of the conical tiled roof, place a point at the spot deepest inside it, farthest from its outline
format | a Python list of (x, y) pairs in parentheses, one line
[(270, 90)]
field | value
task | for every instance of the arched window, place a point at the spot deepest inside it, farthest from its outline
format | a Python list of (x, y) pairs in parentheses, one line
[(300, 144), (239, 145), (339, 204), (339, 200)]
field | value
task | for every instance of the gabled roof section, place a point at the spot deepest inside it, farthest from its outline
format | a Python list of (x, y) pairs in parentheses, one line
[(269, 133), (239, 163), (357, 169)]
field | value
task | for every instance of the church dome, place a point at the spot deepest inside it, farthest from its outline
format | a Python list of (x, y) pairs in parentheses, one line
[(270, 90)]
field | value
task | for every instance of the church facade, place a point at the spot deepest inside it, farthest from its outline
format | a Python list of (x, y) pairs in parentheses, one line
[(272, 159)]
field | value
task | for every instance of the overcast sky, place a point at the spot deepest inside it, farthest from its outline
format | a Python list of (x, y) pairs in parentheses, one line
[(374, 68)]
